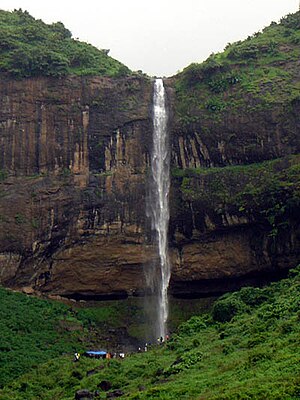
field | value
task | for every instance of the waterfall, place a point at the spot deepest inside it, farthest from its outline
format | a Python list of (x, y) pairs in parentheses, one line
[(158, 275)]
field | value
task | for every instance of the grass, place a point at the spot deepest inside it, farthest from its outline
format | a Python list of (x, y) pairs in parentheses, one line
[(35, 330), (248, 76), (32, 332), (246, 348), (29, 47)]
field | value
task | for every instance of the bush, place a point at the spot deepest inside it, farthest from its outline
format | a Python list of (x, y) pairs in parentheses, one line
[(225, 309), (186, 361), (193, 325), (257, 356), (291, 21), (252, 296)]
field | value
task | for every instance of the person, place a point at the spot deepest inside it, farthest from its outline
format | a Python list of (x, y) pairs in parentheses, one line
[(108, 357), (76, 356)]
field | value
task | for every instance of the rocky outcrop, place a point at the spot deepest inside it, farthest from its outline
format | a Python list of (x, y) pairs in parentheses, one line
[(74, 157), (235, 137)]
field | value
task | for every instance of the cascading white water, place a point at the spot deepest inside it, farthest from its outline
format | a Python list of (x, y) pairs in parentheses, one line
[(158, 207)]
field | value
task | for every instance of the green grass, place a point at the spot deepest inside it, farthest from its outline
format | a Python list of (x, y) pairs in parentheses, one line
[(256, 74), (248, 347), (35, 330), (29, 47)]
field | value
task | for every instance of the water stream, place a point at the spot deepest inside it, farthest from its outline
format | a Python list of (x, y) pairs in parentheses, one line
[(158, 276)]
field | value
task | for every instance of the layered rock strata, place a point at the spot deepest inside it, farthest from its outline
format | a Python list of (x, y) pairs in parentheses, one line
[(74, 158)]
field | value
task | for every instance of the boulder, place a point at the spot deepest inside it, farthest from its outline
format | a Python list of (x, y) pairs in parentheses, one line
[(83, 394)]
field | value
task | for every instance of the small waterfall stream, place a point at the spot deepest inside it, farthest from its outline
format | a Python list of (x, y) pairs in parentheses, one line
[(158, 276)]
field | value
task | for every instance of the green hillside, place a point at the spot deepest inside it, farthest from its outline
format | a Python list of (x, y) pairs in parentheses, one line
[(29, 47), (250, 75), (35, 330), (248, 347)]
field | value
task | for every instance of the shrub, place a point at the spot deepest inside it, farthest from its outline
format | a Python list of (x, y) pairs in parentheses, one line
[(257, 356), (214, 104), (193, 325), (186, 361), (252, 296), (225, 309), (256, 339)]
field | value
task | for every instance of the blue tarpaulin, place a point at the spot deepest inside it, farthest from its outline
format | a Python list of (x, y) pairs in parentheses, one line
[(96, 353)]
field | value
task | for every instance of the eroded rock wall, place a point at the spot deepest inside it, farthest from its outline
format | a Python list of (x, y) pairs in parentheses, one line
[(74, 157)]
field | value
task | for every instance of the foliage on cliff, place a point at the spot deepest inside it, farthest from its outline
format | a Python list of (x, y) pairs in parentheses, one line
[(267, 192), (29, 47), (247, 347), (248, 76)]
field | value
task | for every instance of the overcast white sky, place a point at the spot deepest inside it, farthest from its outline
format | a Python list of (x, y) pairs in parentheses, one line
[(159, 37)]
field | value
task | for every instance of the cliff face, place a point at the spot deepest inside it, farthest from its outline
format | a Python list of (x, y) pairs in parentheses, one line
[(74, 159), (235, 154), (235, 190)]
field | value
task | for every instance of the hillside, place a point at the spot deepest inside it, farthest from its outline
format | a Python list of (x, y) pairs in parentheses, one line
[(246, 348), (248, 76), (36, 330), (31, 48)]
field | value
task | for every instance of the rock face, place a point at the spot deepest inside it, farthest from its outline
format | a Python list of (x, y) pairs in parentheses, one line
[(74, 156)]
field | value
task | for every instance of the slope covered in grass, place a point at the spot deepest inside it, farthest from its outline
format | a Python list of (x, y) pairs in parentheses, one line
[(35, 330), (249, 76), (29, 47), (248, 347)]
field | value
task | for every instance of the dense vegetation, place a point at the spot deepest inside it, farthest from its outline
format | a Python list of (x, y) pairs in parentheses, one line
[(35, 330), (29, 47), (248, 76), (248, 347), (267, 192)]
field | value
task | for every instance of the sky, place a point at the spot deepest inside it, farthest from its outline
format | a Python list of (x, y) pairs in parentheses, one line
[(159, 37)]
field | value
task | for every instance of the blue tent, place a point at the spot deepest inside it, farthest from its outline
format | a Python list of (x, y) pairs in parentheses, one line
[(95, 354)]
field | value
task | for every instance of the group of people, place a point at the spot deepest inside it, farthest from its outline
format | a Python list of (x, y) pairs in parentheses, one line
[(109, 355), (106, 356), (114, 355), (160, 340)]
